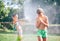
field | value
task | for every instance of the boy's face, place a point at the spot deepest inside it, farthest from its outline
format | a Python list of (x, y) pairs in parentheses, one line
[(38, 12), (15, 18)]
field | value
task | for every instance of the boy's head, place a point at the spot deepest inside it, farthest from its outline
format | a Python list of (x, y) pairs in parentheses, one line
[(15, 17), (40, 10)]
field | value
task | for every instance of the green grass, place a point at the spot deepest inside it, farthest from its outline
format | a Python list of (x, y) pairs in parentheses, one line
[(26, 37)]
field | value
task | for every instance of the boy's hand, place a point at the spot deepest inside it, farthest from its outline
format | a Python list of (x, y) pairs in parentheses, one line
[(43, 22)]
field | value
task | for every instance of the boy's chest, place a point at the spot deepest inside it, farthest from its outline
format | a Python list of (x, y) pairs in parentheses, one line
[(43, 19)]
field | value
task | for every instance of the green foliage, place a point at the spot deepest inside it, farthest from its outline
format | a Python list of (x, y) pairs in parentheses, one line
[(1, 9), (4, 12)]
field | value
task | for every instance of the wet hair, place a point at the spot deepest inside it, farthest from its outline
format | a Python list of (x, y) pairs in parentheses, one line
[(15, 15), (40, 10)]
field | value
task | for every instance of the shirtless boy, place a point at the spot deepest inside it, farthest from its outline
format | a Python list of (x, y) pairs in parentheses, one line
[(42, 25)]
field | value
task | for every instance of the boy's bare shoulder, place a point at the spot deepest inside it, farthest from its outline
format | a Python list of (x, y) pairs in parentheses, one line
[(46, 17)]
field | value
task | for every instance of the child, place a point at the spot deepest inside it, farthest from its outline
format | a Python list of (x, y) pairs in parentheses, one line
[(42, 25), (18, 26)]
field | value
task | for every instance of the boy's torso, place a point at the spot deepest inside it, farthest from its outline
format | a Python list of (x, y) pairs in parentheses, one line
[(42, 26)]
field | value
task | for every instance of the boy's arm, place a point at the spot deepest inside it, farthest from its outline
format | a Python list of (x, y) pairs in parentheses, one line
[(37, 22), (45, 23), (21, 22)]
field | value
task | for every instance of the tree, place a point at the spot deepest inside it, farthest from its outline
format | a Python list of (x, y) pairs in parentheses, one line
[(4, 16), (3, 11)]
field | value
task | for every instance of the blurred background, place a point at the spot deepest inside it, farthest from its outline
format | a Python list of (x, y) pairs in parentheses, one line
[(26, 10)]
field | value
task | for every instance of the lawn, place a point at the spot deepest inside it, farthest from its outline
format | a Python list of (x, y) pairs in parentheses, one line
[(26, 37)]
